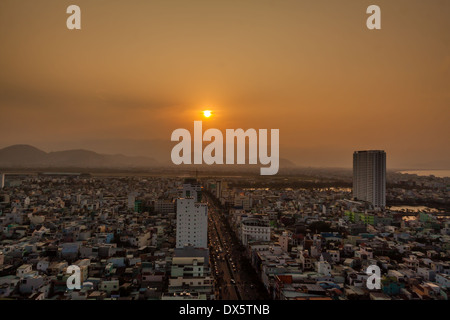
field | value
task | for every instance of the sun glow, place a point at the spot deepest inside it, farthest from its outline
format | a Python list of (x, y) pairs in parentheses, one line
[(207, 113)]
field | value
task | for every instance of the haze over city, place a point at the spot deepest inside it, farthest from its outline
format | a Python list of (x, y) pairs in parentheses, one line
[(139, 70), (220, 158)]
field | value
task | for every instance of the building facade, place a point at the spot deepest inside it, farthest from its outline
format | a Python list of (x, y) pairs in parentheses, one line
[(192, 223), (254, 229)]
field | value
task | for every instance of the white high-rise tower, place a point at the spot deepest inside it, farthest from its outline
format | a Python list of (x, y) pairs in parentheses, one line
[(192, 221), (369, 177)]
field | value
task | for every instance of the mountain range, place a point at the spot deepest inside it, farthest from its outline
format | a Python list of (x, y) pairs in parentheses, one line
[(26, 156), (31, 157)]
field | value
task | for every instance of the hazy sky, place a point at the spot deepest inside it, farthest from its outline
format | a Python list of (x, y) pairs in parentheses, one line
[(139, 69)]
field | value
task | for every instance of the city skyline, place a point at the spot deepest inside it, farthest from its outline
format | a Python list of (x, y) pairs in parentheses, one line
[(19, 157), (168, 238), (220, 158), (135, 72)]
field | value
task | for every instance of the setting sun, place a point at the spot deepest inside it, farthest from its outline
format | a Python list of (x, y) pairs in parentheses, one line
[(207, 113)]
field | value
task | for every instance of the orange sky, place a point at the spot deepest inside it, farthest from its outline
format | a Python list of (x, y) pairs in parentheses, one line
[(140, 69)]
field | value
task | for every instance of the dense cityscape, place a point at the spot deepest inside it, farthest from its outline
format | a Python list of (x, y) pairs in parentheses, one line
[(212, 159), (232, 237)]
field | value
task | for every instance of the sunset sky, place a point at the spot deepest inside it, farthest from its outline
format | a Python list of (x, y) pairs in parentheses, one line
[(140, 69)]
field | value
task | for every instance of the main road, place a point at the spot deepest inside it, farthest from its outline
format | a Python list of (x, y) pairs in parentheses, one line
[(235, 279)]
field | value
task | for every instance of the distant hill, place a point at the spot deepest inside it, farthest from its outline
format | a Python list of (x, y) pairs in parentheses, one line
[(26, 156), (31, 157), (23, 155)]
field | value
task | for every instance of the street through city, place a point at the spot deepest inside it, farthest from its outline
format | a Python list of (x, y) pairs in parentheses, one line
[(235, 280)]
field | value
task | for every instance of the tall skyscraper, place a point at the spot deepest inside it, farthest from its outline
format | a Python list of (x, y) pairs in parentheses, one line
[(192, 220), (369, 177), (2, 180)]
